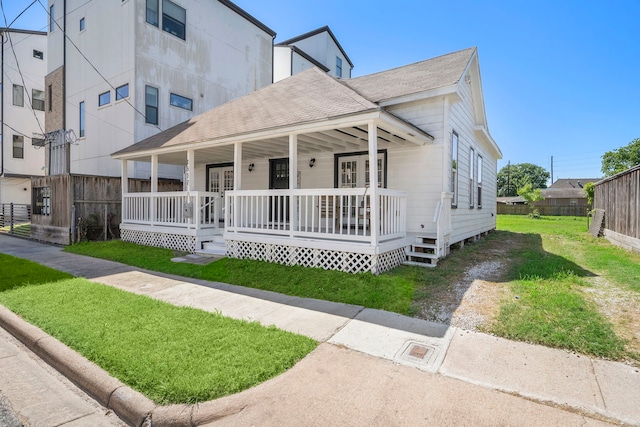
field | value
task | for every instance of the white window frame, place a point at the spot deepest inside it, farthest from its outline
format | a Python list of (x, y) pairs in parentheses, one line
[(174, 14), (148, 105), (479, 171), (455, 143), (472, 155), (174, 99), (18, 95)]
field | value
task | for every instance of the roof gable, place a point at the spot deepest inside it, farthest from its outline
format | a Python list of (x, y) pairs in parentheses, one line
[(442, 71), (313, 33)]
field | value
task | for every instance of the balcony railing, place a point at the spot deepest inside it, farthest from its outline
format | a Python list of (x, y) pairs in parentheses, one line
[(334, 213), (196, 209)]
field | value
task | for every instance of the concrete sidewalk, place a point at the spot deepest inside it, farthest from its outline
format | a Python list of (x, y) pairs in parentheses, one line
[(336, 384)]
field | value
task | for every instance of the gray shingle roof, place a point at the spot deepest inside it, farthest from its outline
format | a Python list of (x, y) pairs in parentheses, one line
[(305, 97), (433, 73)]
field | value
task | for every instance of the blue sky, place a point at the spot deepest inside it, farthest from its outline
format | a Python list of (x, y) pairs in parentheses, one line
[(560, 78)]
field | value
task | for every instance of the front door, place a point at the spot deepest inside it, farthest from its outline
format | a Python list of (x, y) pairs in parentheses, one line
[(279, 180), (220, 180), (353, 172)]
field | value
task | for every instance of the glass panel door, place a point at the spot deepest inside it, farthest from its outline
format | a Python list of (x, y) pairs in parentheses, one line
[(221, 180)]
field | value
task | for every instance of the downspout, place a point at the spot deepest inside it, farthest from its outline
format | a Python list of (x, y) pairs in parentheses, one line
[(64, 83), (2, 107)]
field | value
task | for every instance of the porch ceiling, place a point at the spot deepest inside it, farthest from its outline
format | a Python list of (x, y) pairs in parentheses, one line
[(348, 139)]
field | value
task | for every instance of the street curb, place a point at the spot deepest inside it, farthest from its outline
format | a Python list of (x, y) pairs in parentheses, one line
[(131, 406)]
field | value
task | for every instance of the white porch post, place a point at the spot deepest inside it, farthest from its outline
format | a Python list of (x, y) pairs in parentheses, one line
[(191, 186), (124, 173), (373, 182), (154, 188), (293, 183), (237, 181)]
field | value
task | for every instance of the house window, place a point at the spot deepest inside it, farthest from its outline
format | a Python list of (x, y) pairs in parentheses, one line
[(104, 98), (174, 19), (18, 96), (122, 92), (338, 66), (38, 54), (472, 154), (37, 99), (41, 201), (18, 147), (81, 119), (52, 21), (151, 104), (152, 12), (181, 102), (81, 24), (454, 169), (50, 95), (479, 181)]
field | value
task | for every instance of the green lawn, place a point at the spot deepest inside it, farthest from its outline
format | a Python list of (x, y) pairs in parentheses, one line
[(391, 292), (170, 354), (547, 277)]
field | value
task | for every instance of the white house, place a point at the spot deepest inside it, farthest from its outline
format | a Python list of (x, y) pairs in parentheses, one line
[(129, 69), (22, 104), (418, 131), (318, 48)]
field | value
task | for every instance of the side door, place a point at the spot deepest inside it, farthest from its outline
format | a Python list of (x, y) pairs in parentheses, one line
[(220, 180)]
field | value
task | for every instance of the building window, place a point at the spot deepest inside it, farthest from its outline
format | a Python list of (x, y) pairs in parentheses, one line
[(37, 99), (104, 98), (38, 54), (122, 92), (81, 24), (454, 169), (81, 119), (18, 147), (338, 66), (151, 104), (479, 181), (174, 19), (472, 154), (50, 95), (41, 201), (152, 12), (18, 96), (52, 21), (181, 102)]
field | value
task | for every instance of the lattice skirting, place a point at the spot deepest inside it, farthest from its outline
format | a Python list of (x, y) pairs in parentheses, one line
[(177, 242), (349, 262)]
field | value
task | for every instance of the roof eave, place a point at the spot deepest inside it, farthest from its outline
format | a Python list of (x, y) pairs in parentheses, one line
[(483, 134), (451, 91)]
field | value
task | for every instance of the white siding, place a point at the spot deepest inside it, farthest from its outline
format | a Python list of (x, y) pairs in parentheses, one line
[(323, 49), (281, 62)]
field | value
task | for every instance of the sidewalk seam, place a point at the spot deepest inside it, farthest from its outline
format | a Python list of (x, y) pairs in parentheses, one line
[(595, 376)]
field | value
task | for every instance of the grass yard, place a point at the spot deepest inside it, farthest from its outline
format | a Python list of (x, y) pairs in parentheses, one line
[(391, 292), (170, 354)]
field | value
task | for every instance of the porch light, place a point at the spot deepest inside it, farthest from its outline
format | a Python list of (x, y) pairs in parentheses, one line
[(312, 162), (251, 166)]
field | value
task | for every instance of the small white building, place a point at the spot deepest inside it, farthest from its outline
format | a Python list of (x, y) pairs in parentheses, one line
[(285, 174), (22, 105), (318, 48)]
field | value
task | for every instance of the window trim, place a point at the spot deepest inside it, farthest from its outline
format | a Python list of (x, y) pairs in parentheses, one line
[(479, 172), (17, 139), (156, 12), (38, 54), (40, 100), (52, 20), (118, 96), (81, 119), (338, 66), (174, 20), (107, 95), (147, 105), (14, 95), (82, 24), (455, 166), (173, 95), (338, 156), (472, 155)]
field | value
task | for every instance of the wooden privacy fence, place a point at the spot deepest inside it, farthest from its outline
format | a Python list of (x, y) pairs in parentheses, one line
[(569, 210), (619, 197), (15, 219)]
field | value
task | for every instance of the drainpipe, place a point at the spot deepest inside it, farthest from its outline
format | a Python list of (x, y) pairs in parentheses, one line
[(64, 83), (2, 106)]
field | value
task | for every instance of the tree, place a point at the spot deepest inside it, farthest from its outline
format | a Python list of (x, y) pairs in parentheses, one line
[(513, 177), (530, 196), (590, 189), (623, 158)]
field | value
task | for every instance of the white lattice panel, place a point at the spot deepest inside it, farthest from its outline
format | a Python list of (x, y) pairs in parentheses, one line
[(176, 242), (349, 262)]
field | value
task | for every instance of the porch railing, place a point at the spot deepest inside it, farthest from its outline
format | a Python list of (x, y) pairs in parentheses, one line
[(195, 209), (334, 213)]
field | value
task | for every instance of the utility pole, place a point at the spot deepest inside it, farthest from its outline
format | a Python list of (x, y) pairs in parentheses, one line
[(509, 178), (551, 170)]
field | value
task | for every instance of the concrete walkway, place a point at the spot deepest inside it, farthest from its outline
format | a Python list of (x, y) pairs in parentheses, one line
[(373, 367)]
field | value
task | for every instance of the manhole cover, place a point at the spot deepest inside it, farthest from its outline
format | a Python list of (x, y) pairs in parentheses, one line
[(418, 351)]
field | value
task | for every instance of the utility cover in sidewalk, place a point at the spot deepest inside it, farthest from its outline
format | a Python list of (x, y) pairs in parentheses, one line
[(418, 354)]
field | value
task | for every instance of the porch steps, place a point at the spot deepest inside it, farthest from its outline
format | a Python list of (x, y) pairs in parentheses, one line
[(213, 248), (423, 252)]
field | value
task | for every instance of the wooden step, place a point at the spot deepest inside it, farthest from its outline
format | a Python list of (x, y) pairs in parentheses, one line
[(424, 255), (420, 264)]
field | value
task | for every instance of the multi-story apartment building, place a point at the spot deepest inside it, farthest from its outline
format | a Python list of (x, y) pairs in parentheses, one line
[(318, 48), (22, 104), (129, 69)]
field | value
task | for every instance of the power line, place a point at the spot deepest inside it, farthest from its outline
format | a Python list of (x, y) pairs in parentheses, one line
[(19, 15), (89, 62)]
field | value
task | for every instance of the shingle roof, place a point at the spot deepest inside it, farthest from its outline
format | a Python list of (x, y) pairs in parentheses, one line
[(572, 182), (305, 97), (433, 73), (564, 193)]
